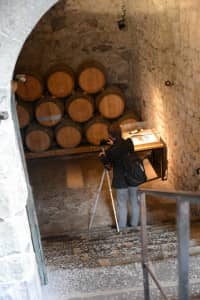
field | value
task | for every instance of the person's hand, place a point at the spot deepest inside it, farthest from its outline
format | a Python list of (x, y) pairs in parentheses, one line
[(110, 141), (101, 154)]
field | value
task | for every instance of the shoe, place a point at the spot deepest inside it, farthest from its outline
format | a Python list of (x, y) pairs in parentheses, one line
[(135, 228), (123, 229)]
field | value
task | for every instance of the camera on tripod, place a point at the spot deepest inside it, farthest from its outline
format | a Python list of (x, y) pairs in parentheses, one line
[(107, 165), (107, 168)]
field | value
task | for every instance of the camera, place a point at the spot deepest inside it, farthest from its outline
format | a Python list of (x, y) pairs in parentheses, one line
[(104, 142)]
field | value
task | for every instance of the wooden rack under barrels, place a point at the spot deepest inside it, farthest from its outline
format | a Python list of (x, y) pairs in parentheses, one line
[(157, 149)]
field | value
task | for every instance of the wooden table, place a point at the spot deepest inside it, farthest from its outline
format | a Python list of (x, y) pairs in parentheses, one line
[(149, 142)]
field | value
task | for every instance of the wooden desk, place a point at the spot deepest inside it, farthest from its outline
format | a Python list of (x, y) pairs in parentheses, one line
[(149, 142)]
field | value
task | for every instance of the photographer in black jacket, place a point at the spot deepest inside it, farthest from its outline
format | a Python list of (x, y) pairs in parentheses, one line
[(113, 157)]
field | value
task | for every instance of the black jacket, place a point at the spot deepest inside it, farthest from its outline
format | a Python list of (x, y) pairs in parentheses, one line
[(114, 156)]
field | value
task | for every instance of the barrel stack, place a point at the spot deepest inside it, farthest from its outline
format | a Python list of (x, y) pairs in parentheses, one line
[(65, 110)]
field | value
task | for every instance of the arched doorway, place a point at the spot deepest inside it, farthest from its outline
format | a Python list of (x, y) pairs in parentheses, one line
[(17, 22)]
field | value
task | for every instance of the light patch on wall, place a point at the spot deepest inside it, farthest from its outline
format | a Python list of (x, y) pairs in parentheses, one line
[(157, 119), (96, 7), (74, 176), (138, 6)]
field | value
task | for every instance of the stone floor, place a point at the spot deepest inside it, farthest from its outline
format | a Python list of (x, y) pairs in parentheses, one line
[(104, 265)]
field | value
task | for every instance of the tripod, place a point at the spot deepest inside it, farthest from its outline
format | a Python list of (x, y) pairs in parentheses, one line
[(105, 173)]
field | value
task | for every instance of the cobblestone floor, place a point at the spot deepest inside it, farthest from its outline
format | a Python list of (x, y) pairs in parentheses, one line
[(104, 265)]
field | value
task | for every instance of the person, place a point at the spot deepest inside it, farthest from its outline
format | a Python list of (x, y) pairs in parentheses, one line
[(113, 157)]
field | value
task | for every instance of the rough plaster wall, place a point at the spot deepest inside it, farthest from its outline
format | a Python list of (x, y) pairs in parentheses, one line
[(18, 272), (74, 31), (166, 46)]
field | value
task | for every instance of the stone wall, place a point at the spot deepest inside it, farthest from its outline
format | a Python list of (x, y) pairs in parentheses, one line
[(166, 49), (74, 31)]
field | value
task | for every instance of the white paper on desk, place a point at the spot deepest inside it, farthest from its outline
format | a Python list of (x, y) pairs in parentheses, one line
[(144, 139)]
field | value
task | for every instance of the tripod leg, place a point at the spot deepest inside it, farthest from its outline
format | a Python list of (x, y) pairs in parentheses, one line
[(112, 199), (97, 198)]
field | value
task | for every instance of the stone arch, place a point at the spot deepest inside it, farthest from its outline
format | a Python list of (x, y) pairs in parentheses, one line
[(17, 258)]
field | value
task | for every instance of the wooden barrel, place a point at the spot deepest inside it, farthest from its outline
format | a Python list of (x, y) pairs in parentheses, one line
[(96, 130), (31, 89), (25, 113), (68, 134), (38, 138), (127, 120), (111, 103), (60, 81), (80, 107), (49, 111), (91, 77)]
